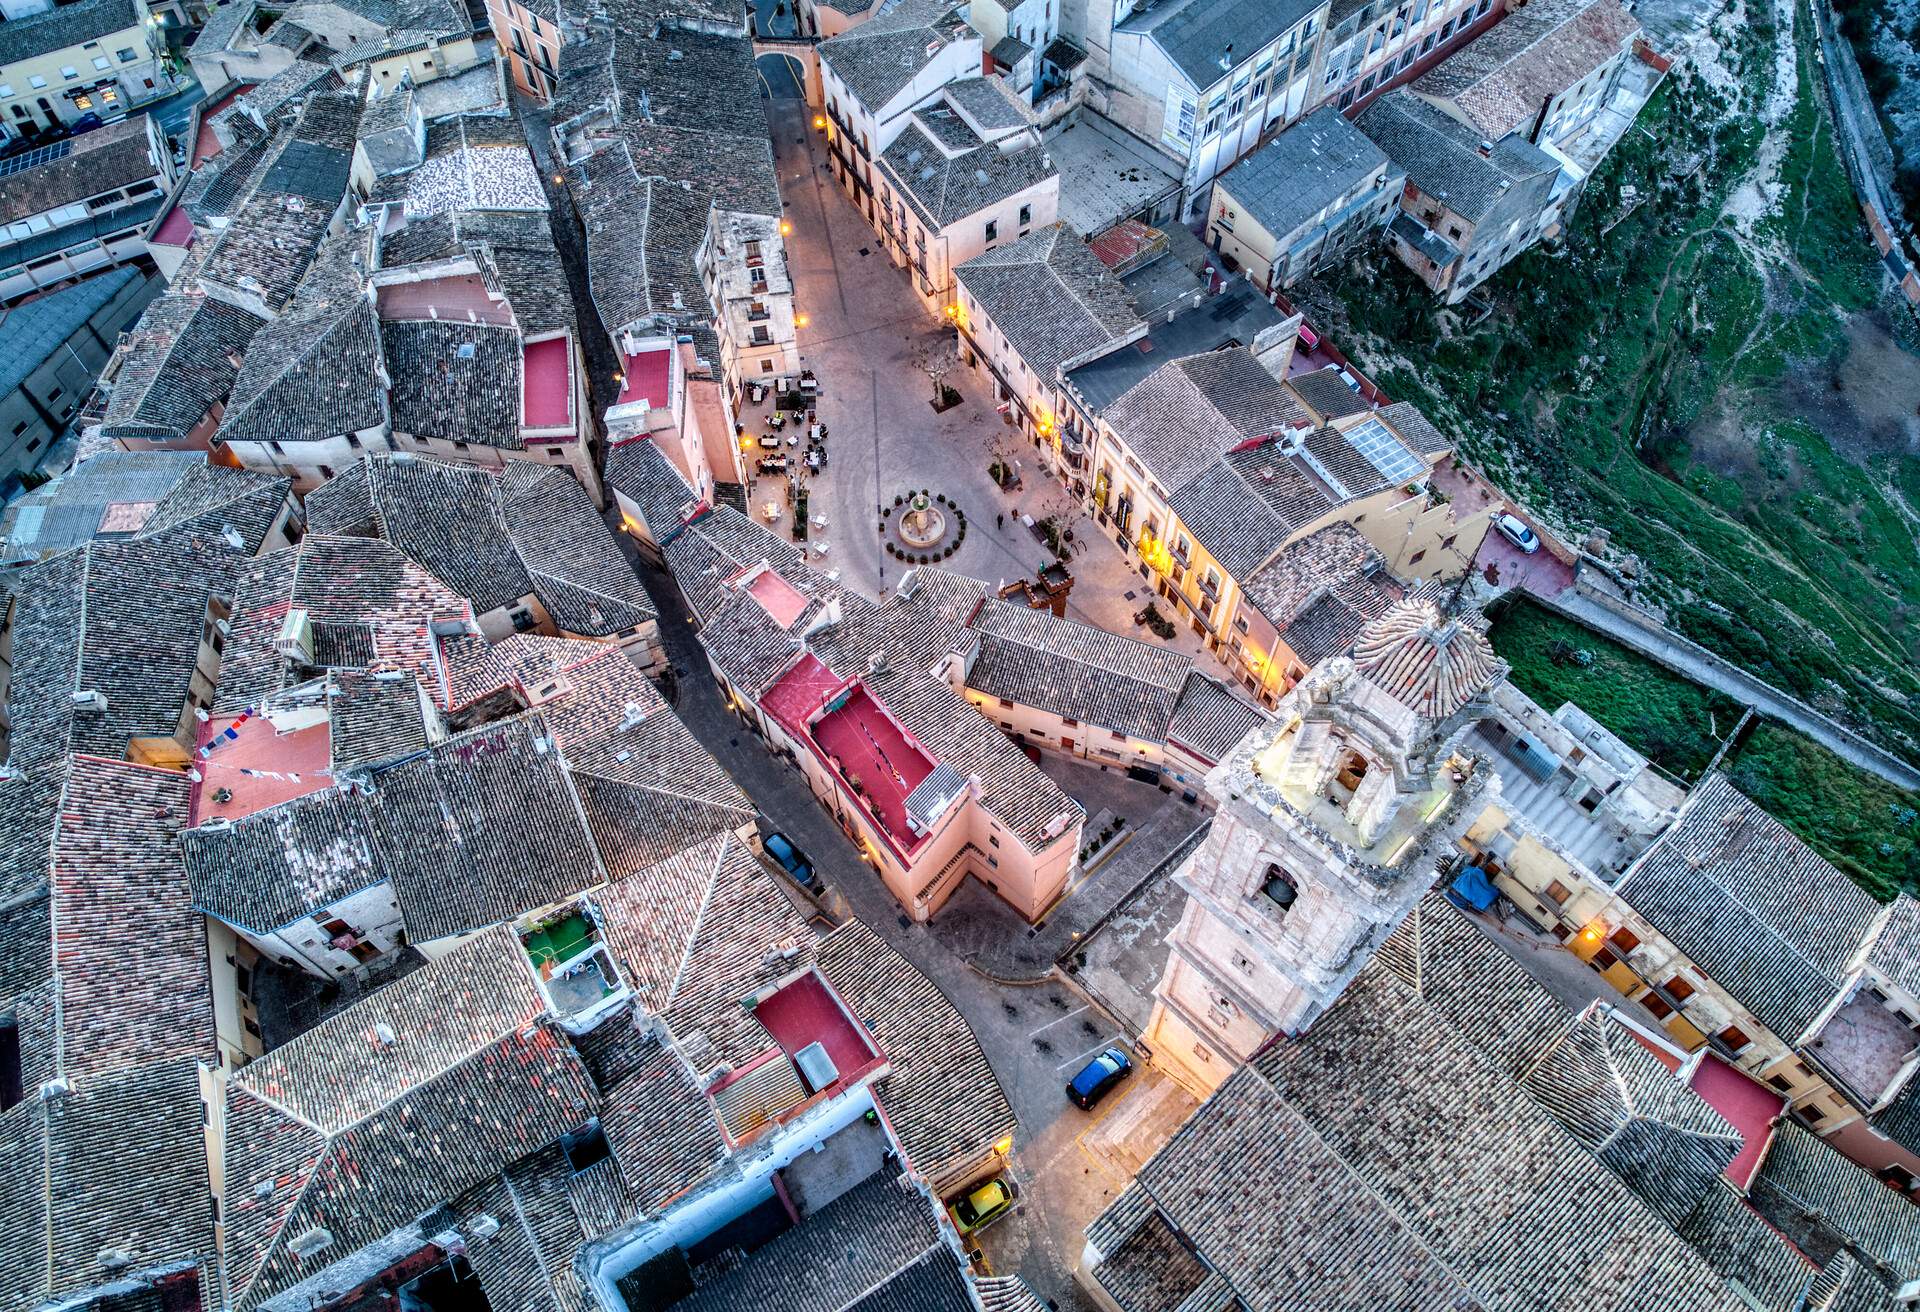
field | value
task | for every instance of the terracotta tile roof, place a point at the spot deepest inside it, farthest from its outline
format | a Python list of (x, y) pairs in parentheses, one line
[(178, 363), (373, 718), (943, 188), (1050, 296), (662, 1130), (519, 840), (1336, 569), (1432, 663), (324, 1133), (96, 162), (104, 1184), (1755, 909), (1210, 718), (1827, 1203), (1501, 79), (368, 605), (1034, 658), (494, 536), (125, 619), (458, 381), (943, 1099), (129, 952), (827, 1263)]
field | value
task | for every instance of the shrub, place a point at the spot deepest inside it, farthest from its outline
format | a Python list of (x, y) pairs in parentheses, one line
[(900, 499)]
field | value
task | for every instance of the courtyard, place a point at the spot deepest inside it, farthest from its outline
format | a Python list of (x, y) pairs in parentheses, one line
[(865, 336)]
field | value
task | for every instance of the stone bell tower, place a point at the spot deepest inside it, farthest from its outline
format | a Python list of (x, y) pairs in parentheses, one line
[(1330, 824)]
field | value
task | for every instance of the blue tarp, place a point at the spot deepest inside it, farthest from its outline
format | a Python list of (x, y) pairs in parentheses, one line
[(1473, 889)]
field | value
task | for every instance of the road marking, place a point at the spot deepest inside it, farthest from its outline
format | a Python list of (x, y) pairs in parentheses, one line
[(1102, 1046), (1057, 1019)]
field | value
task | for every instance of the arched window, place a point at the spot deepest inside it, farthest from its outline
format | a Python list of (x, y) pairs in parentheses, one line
[(1278, 886)]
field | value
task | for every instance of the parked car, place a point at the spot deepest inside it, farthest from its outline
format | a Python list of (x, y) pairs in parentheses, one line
[(793, 861), (1515, 530), (982, 1207), (1097, 1077)]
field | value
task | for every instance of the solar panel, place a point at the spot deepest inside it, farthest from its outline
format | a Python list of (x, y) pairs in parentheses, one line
[(34, 158), (1384, 452)]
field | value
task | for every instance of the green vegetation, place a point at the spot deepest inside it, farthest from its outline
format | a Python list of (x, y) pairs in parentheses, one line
[(1858, 821), (1680, 375), (1864, 825), (1676, 724)]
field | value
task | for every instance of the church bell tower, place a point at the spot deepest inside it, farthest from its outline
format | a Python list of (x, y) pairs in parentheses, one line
[(1330, 823)]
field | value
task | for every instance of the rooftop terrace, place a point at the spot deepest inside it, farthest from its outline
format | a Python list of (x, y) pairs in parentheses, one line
[(858, 740), (247, 765), (548, 402)]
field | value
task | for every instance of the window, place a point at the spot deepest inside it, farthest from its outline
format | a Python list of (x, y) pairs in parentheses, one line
[(6, 89), (102, 63), (36, 81), (1278, 887), (766, 366), (1558, 893), (69, 72), (1780, 1082), (1812, 1114), (1733, 1037), (125, 55), (1220, 1009), (1243, 963), (1446, 544), (993, 230), (1624, 940), (1657, 1005), (12, 1088), (1026, 215), (1679, 989)]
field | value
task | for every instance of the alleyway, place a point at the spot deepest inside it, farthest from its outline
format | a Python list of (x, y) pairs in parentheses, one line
[(1031, 1034)]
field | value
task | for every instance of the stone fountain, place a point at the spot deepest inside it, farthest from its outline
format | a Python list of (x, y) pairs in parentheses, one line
[(922, 526)]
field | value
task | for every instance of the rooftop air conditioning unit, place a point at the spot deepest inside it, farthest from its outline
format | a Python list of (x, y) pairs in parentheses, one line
[(295, 638), (482, 1226), (90, 699), (307, 1243)]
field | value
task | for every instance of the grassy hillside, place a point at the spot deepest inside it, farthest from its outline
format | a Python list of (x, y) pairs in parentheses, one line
[(1709, 373), (1862, 824)]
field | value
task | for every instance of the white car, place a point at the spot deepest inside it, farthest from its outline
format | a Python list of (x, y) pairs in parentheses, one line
[(1514, 530)]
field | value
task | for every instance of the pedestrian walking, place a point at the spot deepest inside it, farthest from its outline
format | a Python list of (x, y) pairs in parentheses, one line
[(1000, 520)]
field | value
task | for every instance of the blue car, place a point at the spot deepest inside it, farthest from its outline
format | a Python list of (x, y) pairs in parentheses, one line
[(793, 861), (1097, 1077)]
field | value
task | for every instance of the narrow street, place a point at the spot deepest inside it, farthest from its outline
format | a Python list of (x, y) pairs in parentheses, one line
[(1034, 1035)]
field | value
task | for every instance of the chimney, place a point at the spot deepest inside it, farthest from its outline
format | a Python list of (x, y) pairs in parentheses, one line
[(1486, 150), (635, 713), (877, 663)]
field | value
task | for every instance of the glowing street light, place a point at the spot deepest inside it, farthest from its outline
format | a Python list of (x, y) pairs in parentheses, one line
[(802, 320), (786, 228), (819, 122)]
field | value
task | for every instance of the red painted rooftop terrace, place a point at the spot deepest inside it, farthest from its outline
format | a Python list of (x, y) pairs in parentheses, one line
[(246, 765), (805, 1013), (648, 376), (1747, 1105), (548, 376), (857, 738)]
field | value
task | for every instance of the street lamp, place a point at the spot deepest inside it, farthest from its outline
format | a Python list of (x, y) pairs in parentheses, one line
[(786, 228), (820, 122)]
